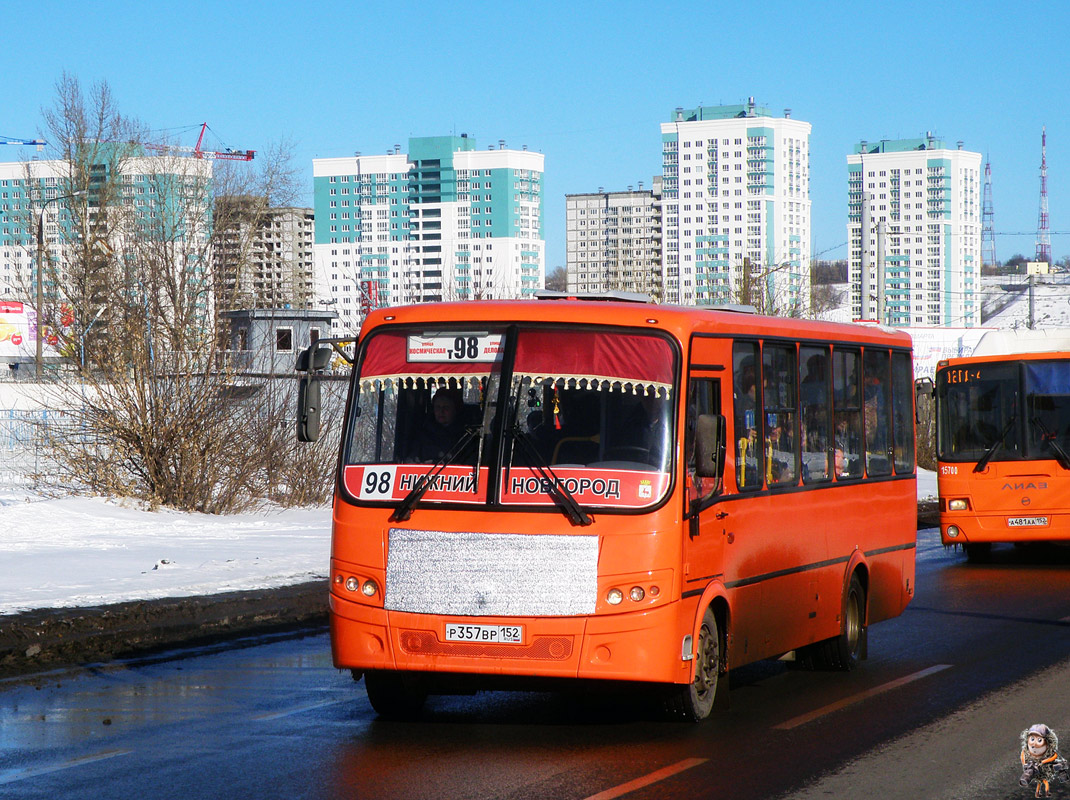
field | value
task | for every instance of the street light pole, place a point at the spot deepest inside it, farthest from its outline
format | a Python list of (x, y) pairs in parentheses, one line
[(40, 277)]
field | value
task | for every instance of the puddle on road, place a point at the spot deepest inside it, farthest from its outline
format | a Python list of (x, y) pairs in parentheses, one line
[(103, 702)]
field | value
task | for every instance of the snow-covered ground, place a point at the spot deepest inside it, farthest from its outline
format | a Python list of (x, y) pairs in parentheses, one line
[(78, 551)]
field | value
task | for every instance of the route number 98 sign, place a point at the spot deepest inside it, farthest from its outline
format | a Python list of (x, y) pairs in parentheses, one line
[(455, 346)]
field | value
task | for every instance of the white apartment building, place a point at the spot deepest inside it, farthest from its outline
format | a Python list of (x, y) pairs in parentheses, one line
[(920, 206), (442, 222), (736, 208), (613, 241), (130, 201)]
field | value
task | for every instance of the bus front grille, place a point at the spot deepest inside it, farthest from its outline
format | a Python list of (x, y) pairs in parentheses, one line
[(473, 574), (545, 648)]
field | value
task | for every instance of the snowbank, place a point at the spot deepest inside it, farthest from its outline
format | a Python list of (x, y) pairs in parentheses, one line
[(78, 551)]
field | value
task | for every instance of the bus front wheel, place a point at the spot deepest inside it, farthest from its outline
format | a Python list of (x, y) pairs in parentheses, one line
[(394, 695), (978, 552), (694, 702)]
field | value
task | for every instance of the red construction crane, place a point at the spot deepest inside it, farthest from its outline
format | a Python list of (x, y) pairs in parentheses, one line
[(196, 151)]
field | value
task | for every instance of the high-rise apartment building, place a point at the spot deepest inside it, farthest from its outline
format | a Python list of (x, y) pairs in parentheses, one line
[(443, 221), (131, 204), (914, 229), (736, 208), (263, 255), (614, 241)]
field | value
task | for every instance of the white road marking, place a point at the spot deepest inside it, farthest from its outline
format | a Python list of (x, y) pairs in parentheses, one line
[(11, 776), (300, 710), (647, 780), (802, 719)]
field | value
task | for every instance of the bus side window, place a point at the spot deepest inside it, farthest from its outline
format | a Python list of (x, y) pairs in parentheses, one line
[(814, 416), (746, 442), (781, 446), (902, 412), (875, 410), (847, 411), (703, 400)]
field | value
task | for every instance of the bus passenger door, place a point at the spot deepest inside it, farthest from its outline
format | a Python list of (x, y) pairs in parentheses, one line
[(704, 538)]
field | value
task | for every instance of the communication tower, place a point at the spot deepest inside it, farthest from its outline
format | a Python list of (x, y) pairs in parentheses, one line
[(988, 235), (1043, 231)]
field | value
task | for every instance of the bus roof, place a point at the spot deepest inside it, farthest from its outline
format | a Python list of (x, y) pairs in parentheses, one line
[(1014, 342), (681, 320)]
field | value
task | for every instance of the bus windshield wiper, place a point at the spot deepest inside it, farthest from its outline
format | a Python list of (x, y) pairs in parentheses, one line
[(405, 507), (991, 451), (1048, 435), (561, 496)]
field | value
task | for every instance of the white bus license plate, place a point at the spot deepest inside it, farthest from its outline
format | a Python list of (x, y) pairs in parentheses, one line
[(1027, 522), (496, 634)]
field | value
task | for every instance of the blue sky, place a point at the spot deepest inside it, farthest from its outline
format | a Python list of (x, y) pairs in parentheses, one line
[(585, 83)]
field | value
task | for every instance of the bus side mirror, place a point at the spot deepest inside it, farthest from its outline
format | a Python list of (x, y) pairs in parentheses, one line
[(923, 388), (709, 445), (313, 359), (308, 408), (310, 361)]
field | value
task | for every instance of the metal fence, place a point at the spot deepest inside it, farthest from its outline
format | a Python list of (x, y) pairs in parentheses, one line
[(22, 432)]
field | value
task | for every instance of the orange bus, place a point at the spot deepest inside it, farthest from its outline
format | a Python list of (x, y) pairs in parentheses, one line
[(1003, 442), (615, 491)]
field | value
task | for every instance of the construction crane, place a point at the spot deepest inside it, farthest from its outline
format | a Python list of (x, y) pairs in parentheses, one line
[(196, 151), (39, 144)]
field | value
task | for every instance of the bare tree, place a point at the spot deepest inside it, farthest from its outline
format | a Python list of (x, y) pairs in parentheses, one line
[(557, 280), (154, 416)]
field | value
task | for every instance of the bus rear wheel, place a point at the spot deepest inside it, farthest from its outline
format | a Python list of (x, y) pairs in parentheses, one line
[(394, 695), (844, 651), (694, 702)]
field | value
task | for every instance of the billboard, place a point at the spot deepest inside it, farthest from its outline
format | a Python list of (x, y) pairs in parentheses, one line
[(18, 333), (932, 345)]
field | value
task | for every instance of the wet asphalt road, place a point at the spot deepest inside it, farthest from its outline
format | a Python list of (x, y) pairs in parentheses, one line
[(273, 719)]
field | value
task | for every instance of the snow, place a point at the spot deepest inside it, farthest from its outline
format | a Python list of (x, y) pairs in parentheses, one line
[(79, 551)]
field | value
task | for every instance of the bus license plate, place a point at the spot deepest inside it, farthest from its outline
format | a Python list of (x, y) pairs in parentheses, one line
[(1027, 522), (497, 634)]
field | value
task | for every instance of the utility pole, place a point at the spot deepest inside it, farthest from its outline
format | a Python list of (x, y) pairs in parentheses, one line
[(38, 359)]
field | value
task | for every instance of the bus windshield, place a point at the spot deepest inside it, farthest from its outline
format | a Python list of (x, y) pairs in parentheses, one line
[(1013, 410), (589, 409), (978, 412)]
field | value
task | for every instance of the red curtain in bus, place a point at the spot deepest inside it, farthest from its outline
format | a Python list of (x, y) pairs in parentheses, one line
[(595, 356)]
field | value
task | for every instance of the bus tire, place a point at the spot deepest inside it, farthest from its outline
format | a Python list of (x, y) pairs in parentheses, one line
[(694, 702), (393, 695), (978, 552), (843, 652)]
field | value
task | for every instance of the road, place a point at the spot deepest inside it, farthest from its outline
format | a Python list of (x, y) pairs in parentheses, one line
[(982, 653)]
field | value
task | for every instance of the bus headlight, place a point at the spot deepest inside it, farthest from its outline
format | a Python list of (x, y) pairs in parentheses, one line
[(352, 583), (614, 596), (636, 594), (369, 588), (952, 531), (958, 505)]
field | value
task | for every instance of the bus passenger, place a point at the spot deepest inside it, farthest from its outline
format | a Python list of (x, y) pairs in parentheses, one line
[(746, 419), (439, 432)]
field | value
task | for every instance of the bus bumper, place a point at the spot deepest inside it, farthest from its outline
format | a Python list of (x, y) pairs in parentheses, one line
[(1042, 526), (638, 646)]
